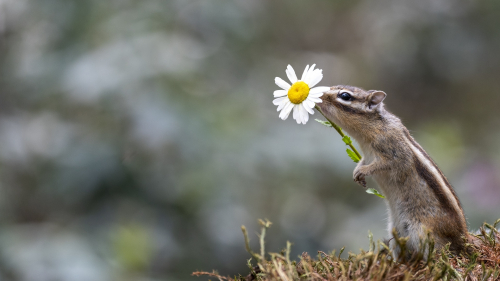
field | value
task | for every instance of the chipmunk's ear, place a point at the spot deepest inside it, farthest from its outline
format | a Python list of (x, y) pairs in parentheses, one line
[(375, 98)]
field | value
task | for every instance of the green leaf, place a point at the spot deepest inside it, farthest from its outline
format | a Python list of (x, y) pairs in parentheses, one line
[(326, 123), (374, 192), (353, 155), (347, 140)]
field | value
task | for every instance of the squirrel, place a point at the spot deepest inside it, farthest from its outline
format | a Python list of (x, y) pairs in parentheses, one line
[(418, 196)]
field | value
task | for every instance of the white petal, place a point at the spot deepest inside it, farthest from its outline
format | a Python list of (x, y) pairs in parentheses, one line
[(278, 101), (279, 93), (286, 111), (307, 108), (309, 103), (282, 84), (296, 114), (316, 95), (282, 105), (309, 77), (309, 74), (303, 114), (288, 114), (312, 69), (319, 90), (304, 74), (291, 74), (306, 116), (314, 99), (315, 78)]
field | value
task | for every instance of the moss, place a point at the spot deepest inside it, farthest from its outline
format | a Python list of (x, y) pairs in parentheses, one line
[(481, 262)]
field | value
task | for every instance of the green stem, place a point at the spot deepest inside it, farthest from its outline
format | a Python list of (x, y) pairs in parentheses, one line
[(339, 130)]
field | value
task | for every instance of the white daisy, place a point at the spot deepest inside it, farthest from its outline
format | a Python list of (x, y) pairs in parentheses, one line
[(300, 97)]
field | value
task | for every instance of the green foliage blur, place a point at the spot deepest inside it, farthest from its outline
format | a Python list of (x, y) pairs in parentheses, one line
[(136, 137)]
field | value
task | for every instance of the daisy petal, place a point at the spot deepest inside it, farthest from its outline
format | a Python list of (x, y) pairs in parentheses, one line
[(314, 99), (288, 114), (309, 77), (286, 111), (310, 73), (319, 90), (306, 116), (279, 93), (311, 70), (303, 114), (304, 74), (316, 95), (309, 103), (308, 109), (278, 101), (296, 114), (282, 84), (282, 105), (291, 74), (315, 77)]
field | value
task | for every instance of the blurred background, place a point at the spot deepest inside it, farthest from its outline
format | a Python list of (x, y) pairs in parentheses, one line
[(136, 137)]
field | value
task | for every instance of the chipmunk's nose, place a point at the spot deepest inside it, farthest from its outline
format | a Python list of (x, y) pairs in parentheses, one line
[(328, 93), (325, 99)]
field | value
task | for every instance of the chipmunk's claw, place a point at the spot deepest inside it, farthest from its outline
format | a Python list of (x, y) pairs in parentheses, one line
[(361, 182), (359, 178)]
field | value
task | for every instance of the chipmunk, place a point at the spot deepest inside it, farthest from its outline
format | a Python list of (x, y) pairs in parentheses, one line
[(418, 195)]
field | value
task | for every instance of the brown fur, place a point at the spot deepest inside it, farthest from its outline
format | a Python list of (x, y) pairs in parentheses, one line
[(419, 199)]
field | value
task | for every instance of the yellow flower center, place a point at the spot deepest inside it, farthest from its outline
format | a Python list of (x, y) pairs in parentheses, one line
[(298, 92)]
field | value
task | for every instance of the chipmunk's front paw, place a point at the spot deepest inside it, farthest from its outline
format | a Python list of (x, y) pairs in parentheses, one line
[(359, 176)]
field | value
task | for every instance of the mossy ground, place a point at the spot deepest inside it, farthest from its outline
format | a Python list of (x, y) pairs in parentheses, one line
[(482, 262)]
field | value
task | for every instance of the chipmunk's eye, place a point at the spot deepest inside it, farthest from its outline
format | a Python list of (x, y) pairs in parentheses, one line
[(346, 96)]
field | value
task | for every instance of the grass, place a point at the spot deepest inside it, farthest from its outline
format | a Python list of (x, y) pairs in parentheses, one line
[(482, 262)]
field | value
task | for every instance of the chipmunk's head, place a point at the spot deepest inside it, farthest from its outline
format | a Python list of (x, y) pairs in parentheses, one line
[(352, 108)]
